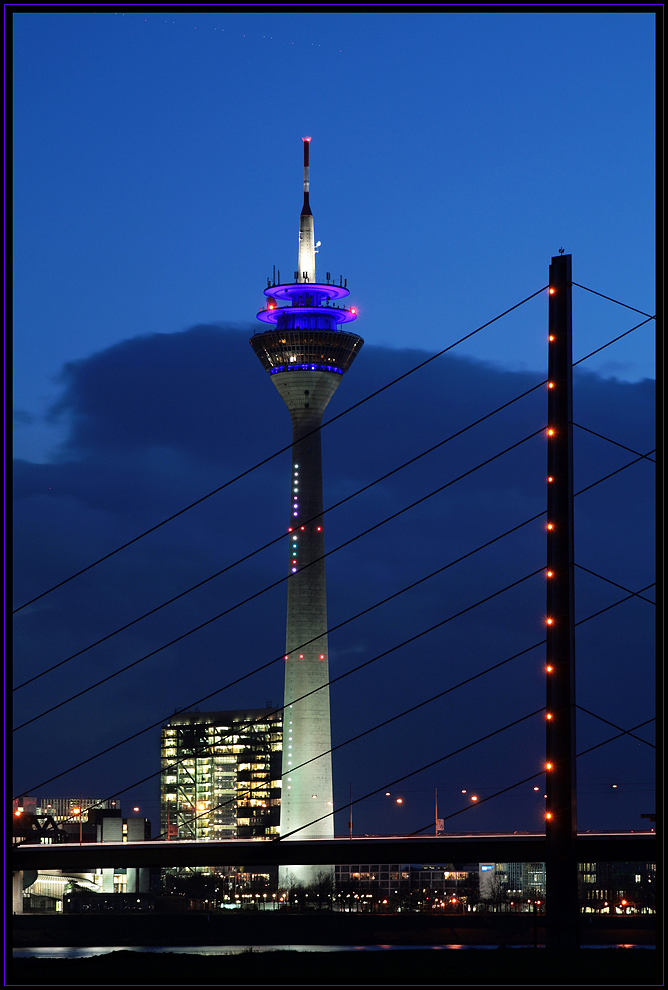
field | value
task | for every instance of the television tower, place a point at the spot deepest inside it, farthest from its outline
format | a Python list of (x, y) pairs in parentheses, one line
[(306, 351)]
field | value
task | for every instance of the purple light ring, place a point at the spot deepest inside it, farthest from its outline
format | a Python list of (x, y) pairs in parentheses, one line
[(337, 315), (278, 369), (294, 288)]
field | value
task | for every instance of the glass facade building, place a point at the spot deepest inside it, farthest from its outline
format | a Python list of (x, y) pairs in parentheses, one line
[(221, 775)]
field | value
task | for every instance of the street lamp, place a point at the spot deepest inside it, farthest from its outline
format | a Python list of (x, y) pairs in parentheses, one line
[(79, 812)]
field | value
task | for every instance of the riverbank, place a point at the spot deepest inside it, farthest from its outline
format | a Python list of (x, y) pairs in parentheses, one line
[(416, 967)]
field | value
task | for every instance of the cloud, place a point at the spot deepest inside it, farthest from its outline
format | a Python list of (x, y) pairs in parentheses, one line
[(23, 418), (156, 422)]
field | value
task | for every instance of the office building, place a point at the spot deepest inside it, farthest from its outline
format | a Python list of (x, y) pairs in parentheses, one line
[(221, 775), (60, 809)]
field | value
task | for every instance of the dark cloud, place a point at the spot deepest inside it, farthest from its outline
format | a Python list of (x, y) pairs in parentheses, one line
[(156, 422), (23, 418)]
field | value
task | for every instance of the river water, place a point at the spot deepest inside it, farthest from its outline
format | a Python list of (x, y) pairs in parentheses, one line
[(79, 952)]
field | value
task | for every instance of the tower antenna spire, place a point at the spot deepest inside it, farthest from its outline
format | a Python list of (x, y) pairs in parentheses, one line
[(306, 257), (306, 208)]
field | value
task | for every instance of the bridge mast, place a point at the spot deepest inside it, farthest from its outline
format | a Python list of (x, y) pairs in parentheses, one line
[(561, 900)]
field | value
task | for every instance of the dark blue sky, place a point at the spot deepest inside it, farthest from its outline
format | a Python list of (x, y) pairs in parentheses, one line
[(157, 168)]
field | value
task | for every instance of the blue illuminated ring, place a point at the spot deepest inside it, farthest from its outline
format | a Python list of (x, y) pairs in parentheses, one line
[(336, 315), (285, 292)]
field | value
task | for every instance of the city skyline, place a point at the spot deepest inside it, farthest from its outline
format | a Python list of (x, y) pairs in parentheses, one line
[(140, 427)]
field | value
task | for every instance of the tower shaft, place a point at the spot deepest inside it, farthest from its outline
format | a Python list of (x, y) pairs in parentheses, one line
[(307, 767)]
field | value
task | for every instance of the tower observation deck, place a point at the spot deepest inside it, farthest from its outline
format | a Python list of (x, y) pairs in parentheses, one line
[(306, 349)]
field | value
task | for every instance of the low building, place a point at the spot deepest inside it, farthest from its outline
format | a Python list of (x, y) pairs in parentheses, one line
[(405, 886), (44, 892)]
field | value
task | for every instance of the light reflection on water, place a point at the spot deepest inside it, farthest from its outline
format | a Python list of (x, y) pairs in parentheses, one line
[(83, 952)]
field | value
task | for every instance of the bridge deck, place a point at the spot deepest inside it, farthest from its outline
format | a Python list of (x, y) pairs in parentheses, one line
[(442, 849)]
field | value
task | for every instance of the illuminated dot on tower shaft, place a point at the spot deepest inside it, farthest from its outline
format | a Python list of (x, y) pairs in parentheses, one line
[(306, 350)]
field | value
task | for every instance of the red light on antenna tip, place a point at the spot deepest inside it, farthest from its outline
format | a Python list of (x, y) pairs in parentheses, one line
[(306, 139)]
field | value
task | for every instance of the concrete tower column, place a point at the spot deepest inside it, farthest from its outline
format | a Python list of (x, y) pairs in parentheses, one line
[(307, 765)]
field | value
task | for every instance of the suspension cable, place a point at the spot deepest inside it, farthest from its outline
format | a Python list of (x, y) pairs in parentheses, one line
[(259, 464), (271, 543), (274, 584)]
